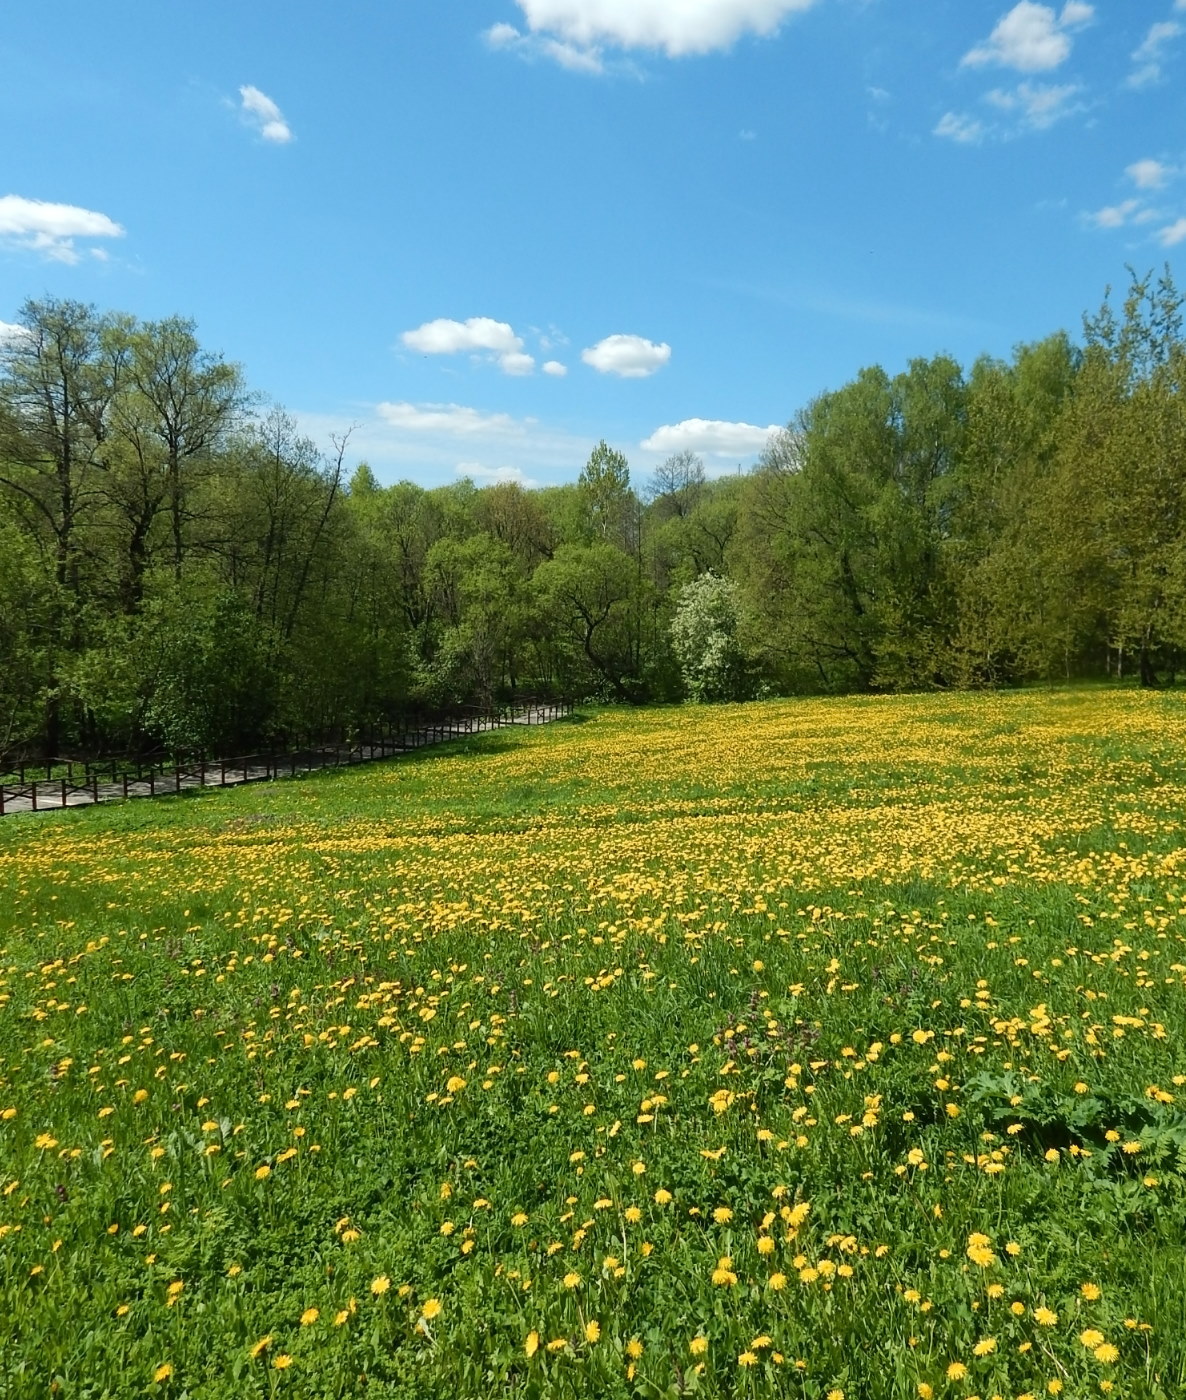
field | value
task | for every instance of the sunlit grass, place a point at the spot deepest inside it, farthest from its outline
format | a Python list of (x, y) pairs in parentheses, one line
[(795, 1049)]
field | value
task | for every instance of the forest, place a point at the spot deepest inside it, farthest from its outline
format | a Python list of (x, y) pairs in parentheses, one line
[(182, 570)]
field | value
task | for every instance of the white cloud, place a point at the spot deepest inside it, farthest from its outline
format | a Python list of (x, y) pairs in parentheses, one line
[(264, 115), (480, 334), (430, 442), (10, 332), (445, 337), (554, 368), (1038, 105), (1115, 215), (1173, 234), (1150, 174), (1031, 38), (570, 56), (957, 126), (50, 229), (627, 356), (577, 28), (516, 363), (711, 437), (451, 419), (1148, 55), (493, 476)]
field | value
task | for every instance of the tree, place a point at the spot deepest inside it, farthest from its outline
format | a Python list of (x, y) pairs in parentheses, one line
[(704, 636), (589, 591), (56, 389), (604, 485), (676, 485)]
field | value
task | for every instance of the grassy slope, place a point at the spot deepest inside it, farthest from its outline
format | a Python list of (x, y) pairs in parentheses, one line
[(875, 950)]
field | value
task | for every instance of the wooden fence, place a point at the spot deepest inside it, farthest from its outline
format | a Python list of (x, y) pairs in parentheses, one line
[(88, 781)]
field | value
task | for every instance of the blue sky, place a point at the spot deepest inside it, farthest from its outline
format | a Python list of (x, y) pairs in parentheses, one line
[(490, 232)]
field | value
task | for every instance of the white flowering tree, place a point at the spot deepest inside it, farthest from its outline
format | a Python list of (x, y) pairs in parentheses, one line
[(704, 639)]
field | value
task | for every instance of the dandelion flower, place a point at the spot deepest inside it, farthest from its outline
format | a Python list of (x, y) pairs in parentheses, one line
[(310, 1316), (592, 1331), (431, 1309), (163, 1372), (282, 1362), (380, 1285), (531, 1345), (956, 1371)]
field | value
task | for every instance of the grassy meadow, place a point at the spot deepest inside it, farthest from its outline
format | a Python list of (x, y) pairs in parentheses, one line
[(810, 1049)]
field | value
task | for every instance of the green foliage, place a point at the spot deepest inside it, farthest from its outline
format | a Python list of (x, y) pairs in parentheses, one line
[(926, 529)]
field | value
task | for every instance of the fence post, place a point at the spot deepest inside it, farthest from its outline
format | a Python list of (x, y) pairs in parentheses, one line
[(125, 787), (34, 792), (95, 787), (63, 792)]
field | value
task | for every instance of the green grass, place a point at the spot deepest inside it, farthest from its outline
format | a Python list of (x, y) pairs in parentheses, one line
[(826, 989)]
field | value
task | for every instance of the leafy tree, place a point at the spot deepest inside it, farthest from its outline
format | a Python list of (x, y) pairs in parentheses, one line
[(704, 635)]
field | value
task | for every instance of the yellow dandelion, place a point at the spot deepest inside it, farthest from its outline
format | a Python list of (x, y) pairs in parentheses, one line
[(163, 1372), (380, 1285), (431, 1309), (531, 1345), (592, 1331)]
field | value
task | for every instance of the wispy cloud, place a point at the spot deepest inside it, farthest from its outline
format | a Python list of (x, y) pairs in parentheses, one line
[(1037, 105), (51, 230), (495, 476), (577, 58), (453, 419), (958, 126), (1150, 55), (263, 114), (433, 443)]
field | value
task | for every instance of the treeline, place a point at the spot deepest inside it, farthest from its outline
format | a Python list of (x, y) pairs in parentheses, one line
[(180, 568)]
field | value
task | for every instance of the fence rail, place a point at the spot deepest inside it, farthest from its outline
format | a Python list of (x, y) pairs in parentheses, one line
[(86, 782)]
